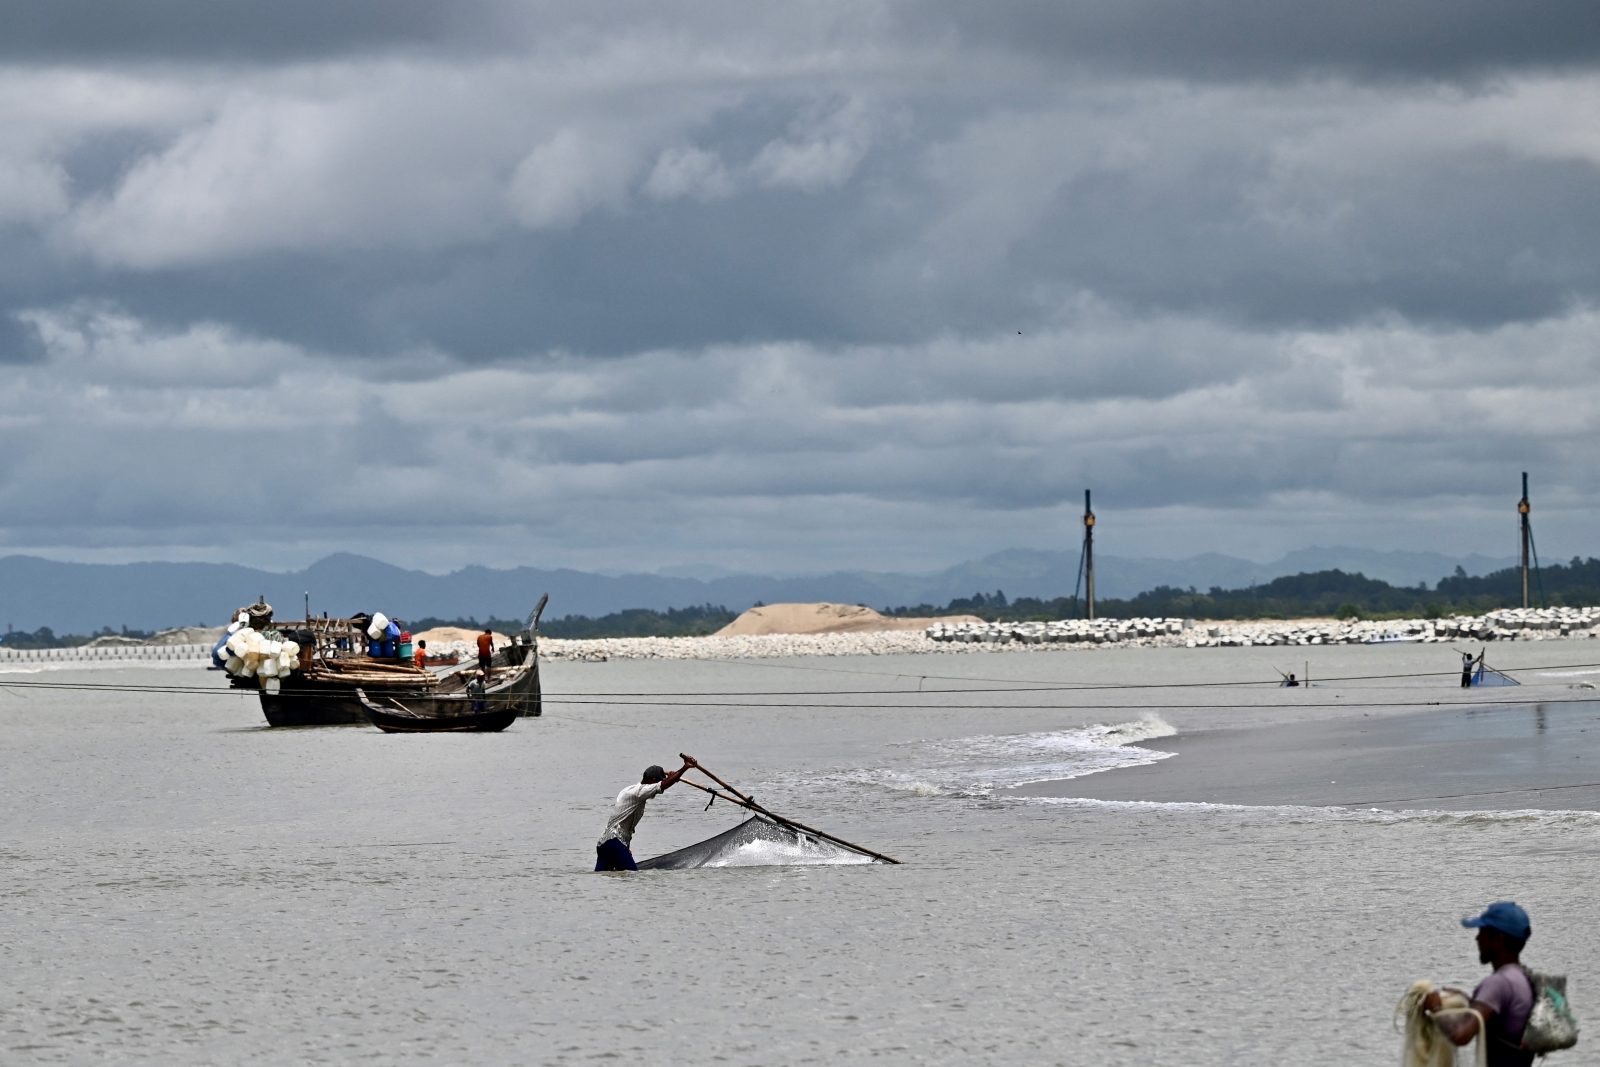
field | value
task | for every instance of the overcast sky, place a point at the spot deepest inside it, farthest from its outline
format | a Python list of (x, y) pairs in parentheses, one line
[(800, 286)]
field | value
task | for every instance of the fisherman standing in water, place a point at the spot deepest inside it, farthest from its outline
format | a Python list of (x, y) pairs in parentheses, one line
[(1466, 669), (613, 853), (1505, 998)]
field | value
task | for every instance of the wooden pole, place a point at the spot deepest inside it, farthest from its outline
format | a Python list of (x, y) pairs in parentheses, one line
[(743, 801), (711, 775), (1523, 507), (1088, 554)]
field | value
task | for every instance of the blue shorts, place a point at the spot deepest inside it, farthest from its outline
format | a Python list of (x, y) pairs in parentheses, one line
[(613, 855)]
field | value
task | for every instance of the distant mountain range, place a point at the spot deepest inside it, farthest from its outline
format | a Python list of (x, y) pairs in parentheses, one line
[(82, 597)]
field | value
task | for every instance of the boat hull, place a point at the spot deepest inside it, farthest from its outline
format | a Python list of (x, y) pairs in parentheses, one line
[(301, 701), (490, 722), (490, 712), (314, 705)]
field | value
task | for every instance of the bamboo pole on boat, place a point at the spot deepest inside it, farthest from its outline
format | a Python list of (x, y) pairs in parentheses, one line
[(746, 802), (694, 763)]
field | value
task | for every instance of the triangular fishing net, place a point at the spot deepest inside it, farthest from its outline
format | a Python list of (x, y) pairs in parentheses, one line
[(1488, 676), (757, 842)]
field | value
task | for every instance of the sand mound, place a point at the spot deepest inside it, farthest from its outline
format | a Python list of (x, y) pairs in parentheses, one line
[(824, 619), (440, 637), (189, 635)]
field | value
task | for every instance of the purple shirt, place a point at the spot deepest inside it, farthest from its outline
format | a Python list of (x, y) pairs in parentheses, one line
[(1510, 994)]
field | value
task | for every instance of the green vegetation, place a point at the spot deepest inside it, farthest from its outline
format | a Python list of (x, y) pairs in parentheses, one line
[(636, 622), (499, 626), (44, 637), (639, 622), (1323, 593)]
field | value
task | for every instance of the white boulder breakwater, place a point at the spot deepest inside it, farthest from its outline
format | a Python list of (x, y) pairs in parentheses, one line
[(1537, 624), (1505, 625)]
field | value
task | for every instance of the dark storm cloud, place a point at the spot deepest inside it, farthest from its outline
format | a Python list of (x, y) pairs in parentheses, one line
[(1216, 223), (1228, 39), (1181, 38), (212, 30)]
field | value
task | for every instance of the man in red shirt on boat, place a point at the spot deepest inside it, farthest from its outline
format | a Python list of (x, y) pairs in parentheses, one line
[(613, 852), (422, 654), (485, 650)]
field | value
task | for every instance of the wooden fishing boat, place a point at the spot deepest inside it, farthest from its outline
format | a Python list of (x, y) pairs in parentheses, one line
[(336, 669), (460, 702)]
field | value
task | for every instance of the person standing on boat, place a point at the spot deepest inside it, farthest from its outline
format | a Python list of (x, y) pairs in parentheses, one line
[(1505, 998), (613, 852), (422, 654), (485, 650)]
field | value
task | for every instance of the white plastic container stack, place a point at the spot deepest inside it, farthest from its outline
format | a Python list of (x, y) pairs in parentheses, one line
[(250, 654)]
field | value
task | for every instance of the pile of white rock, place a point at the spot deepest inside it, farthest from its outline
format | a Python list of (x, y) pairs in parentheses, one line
[(1062, 632), (1505, 625), (1084, 634), (744, 646)]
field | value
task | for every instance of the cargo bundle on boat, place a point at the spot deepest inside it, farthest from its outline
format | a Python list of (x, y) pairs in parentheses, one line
[(327, 672)]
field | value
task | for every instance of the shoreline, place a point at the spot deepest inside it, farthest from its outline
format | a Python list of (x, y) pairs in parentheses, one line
[(1533, 756), (1510, 625)]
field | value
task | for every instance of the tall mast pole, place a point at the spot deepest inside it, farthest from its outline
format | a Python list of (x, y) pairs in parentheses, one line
[(1088, 553), (1522, 509)]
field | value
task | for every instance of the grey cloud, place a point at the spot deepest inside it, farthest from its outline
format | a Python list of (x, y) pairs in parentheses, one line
[(48, 30), (391, 216), (1217, 39), (803, 287), (1234, 39), (1448, 247), (217, 31), (19, 342), (108, 435)]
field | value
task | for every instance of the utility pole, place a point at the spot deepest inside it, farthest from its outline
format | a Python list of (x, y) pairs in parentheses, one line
[(1088, 554), (1522, 509)]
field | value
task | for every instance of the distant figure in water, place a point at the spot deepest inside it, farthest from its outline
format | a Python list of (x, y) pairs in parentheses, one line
[(1291, 682), (1466, 669), (485, 651), (422, 654), (613, 853), (1505, 998)]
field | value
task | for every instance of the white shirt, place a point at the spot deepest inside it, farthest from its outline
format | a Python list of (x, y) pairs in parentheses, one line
[(628, 812)]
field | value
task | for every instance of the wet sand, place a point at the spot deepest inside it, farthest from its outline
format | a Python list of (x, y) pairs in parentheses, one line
[(1537, 755)]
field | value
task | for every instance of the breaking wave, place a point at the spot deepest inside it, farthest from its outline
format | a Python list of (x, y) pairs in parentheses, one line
[(976, 766)]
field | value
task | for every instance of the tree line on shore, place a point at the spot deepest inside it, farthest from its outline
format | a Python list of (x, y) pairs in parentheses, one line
[(1318, 594), (693, 621), (1307, 595), (1330, 593)]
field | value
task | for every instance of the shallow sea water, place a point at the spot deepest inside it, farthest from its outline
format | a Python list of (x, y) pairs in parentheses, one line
[(183, 886)]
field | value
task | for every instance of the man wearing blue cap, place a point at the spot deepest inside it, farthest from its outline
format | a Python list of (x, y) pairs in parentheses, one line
[(1505, 998)]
